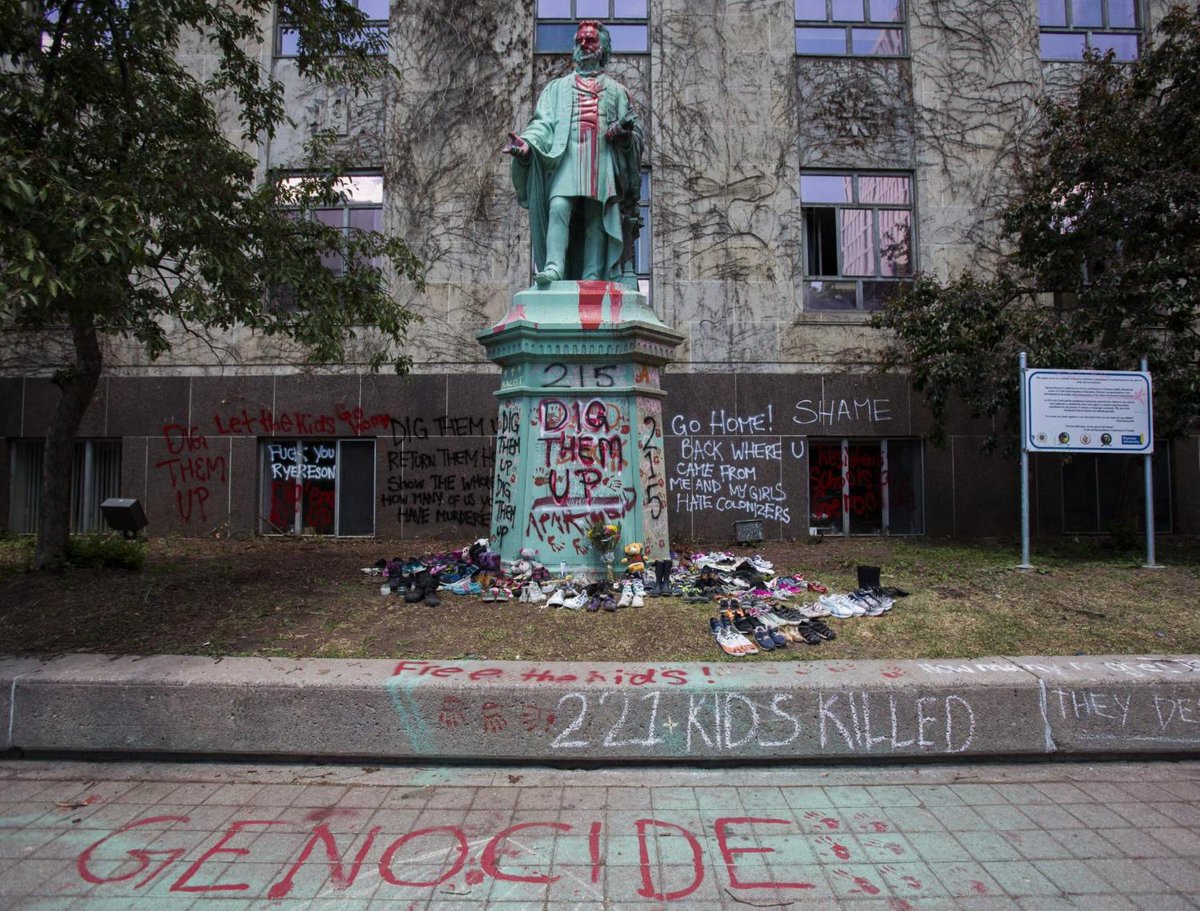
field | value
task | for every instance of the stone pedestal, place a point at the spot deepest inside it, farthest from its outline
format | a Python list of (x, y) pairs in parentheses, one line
[(580, 433)]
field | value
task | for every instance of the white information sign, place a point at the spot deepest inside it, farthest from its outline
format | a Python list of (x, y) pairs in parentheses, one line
[(1088, 411)]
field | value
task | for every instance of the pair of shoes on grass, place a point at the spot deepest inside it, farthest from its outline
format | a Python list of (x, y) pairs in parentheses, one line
[(767, 637), (730, 640), (531, 593), (632, 594)]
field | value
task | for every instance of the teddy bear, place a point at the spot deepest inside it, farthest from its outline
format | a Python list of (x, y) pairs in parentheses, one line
[(634, 559)]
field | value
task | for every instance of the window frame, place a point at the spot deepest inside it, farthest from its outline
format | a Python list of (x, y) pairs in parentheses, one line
[(96, 467), (875, 208), (1087, 31), (833, 24), (282, 25), (346, 207), (268, 527), (643, 250), (574, 19), (884, 487)]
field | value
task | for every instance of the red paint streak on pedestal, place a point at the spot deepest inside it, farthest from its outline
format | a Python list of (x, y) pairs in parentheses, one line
[(514, 313), (614, 303), (591, 299)]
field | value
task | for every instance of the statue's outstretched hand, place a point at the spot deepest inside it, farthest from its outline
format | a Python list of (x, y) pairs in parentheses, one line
[(516, 147)]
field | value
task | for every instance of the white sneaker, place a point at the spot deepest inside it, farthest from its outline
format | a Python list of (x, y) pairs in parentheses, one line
[(841, 607), (626, 595), (556, 599), (524, 596), (576, 600), (639, 591), (533, 594)]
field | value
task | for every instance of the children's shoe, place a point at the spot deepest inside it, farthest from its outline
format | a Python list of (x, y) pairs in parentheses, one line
[(533, 594), (822, 630), (576, 601), (524, 596), (639, 590), (502, 594), (626, 595), (556, 599)]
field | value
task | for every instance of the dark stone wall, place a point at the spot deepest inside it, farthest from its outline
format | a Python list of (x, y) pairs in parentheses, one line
[(737, 446)]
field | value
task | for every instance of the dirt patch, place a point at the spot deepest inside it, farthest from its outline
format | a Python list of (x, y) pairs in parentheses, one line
[(308, 597)]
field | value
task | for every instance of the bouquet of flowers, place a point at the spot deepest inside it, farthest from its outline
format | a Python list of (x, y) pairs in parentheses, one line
[(605, 537)]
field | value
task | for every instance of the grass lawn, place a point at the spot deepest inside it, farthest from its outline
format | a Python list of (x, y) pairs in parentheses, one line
[(305, 597)]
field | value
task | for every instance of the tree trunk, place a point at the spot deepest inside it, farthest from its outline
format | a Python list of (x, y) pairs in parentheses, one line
[(78, 384)]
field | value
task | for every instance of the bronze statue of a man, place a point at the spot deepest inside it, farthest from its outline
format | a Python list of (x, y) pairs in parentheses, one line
[(577, 169)]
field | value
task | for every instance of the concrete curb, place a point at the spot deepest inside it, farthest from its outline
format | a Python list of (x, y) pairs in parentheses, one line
[(586, 713)]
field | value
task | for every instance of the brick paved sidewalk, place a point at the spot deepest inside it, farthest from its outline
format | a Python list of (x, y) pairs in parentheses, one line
[(980, 837)]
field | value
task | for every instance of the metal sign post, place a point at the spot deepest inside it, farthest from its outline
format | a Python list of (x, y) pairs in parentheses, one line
[(1024, 564), (1148, 468)]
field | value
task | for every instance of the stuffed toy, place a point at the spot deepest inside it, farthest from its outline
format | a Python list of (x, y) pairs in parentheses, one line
[(634, 561)]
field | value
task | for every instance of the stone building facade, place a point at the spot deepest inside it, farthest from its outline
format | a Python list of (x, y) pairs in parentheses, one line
[(803, 156)]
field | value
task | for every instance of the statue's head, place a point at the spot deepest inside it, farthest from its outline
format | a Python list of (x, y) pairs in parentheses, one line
[(593, 46)]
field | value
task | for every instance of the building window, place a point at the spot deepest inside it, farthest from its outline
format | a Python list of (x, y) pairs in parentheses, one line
[(287, 38), (871, 487), (1092, 490), (360, 208), (626, 21), (1071, 28), (641, 251), (855, 28), (323, 487), (857, 238), (95, 476)]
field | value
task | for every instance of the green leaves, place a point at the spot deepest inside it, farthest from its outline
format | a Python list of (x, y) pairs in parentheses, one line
[(1106, 246), (123, 203)]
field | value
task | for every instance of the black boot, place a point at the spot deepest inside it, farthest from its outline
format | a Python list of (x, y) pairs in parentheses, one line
[(416, 589), (868, 577), (431, 586), (662, 569), (653, 589)]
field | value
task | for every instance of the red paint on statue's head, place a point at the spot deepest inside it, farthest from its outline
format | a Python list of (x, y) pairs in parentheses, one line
[(587, 36)]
